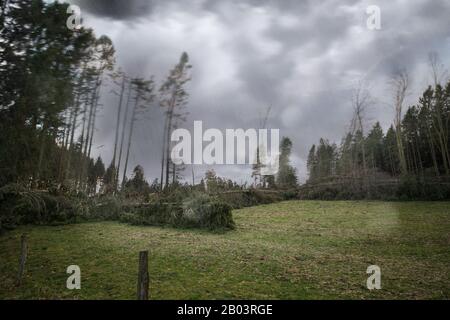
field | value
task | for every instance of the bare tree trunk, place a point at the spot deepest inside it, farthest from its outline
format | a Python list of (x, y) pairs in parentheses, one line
[(132, 122), (164, 151), (116, 140), (174, 173), (82, 138), (89, 121), (90, 131), (169, 132), (401, 86), (401, 151), (444, 155), (68, 122), (433, 151), (64, 142), (442, 139), (363, 148), (174, 98), (41, 153), (72, 134), (93, 124), (87, 139), (361, 100), (439, 74), (124, 124), (169, 129)]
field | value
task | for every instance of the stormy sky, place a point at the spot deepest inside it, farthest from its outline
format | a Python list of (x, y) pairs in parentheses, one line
[(303, 58)]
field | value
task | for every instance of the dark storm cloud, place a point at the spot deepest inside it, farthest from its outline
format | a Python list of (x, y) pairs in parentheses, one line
[(301, 57), (116, 9)]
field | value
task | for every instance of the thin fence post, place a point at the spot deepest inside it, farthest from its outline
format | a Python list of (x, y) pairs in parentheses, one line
[(23, 258), (143, 278)]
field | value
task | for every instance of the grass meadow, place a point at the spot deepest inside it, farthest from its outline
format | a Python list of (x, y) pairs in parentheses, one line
[(288, 250)]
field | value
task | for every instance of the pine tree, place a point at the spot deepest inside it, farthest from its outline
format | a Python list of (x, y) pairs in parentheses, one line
[(173, 100), (374, 147), (311, 164), (37, 65), (143, 96), (287, 177)]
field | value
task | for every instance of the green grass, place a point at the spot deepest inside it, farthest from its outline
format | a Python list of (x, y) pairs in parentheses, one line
[(289, 250)]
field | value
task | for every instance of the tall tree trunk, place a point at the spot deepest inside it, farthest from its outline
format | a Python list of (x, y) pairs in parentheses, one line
[(41, 153), (85, 161), (119, 113), (441, 131), (122, 139), (442, 140), (65, 142), (82, 142), (401, 152), (401, 83), (169, 132), (90, 129), (130, 135), (164, 151), (174, 173), (169, 129), (116, 140), (67, 123), (72, 133), (89, 122), (93, 124)]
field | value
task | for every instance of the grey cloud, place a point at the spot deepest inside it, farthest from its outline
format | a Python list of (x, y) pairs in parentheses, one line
[(116, 9), (301, 57)]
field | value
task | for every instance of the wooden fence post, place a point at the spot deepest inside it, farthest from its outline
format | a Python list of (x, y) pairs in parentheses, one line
[(143, 278), (23, 258)]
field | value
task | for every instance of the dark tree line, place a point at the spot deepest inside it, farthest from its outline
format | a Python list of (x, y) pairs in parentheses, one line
[(48, 78), (51, 84), (416, 145)]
